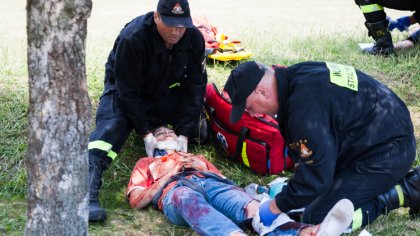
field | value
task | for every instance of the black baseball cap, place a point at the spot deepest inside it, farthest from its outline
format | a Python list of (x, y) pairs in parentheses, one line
[(175, 13), (241, 83)]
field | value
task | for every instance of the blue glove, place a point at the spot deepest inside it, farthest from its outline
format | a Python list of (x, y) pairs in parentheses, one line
[(392, 24), (403, 23), (267, 217)]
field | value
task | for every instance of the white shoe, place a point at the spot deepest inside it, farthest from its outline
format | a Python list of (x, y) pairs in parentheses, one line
[(338, 219)]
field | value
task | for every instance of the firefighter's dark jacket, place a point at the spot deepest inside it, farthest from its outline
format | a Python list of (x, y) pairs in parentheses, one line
[(328, 127), (142, 70)]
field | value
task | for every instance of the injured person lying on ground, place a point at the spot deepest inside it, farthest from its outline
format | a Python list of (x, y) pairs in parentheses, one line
[(192, 192)]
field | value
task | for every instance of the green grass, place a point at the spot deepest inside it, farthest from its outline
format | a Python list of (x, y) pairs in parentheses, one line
[(279, 44)]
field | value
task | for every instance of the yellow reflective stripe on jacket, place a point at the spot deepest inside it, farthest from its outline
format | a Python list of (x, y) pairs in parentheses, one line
[(174, 85), (400, 195), (104, 146), (244, 155), (357, 220), (371, 8)]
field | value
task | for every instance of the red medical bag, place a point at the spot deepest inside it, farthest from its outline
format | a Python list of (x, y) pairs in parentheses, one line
[(253, 141)]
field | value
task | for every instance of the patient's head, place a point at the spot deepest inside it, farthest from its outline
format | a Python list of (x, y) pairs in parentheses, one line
[(167, 141), (163, 133)]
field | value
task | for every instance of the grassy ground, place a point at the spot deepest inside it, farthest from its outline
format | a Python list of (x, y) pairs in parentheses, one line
[(275, 31)]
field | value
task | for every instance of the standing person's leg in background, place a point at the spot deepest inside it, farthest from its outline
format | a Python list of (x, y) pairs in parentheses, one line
[(377, 26)]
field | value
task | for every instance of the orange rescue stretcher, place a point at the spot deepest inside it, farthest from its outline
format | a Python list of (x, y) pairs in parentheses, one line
[(218, 46)]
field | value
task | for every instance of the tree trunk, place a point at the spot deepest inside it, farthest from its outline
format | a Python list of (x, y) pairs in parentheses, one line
[(59, 117)]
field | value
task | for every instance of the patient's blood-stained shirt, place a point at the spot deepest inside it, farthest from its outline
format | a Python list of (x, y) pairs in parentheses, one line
[(149, 170)]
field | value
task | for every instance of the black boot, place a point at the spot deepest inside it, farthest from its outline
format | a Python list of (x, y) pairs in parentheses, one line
[(383, 40), (405, 194), (97, 165)]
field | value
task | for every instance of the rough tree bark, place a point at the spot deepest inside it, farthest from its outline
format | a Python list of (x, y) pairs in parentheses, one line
[(59, 117)]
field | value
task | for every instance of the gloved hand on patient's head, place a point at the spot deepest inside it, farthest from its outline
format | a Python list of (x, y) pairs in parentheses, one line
[(150, 143), (182, 143)]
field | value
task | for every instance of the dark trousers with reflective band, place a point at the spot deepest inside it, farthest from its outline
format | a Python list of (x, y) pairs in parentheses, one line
[(113, 128), (363, 182), (373, 9)]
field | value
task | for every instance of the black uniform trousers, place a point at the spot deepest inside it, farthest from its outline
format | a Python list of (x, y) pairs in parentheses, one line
[(379, 15), (113, 127), (363, 182)]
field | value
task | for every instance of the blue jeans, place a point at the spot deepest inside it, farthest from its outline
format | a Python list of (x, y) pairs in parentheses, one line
[(221, 212)]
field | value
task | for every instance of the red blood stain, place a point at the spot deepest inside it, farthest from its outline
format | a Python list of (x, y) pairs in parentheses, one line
[(188, 200)]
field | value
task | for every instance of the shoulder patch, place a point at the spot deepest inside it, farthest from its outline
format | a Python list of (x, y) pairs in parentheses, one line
[(302, 148), (305, 152), (342, 75)]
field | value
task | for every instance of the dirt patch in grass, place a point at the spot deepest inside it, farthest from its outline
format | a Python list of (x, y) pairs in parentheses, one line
[(415, 117)]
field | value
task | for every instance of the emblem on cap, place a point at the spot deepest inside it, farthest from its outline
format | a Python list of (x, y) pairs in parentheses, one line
[(177, 9)]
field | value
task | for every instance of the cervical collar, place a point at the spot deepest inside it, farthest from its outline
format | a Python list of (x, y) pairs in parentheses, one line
[(167, 144)]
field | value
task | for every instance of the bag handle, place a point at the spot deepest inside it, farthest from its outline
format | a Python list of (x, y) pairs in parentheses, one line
[(239, 143)]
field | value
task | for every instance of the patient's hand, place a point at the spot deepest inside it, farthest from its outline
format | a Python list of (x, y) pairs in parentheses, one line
[(192, 161)]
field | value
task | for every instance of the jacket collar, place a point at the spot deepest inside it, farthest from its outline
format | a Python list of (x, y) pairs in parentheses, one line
[(283, 94)]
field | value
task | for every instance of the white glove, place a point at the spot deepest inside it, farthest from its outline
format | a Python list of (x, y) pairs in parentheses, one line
[(150, 143), (261, 229), (182, 143)]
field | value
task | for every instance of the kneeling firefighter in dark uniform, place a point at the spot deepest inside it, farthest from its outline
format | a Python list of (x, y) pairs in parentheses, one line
[(155, 74), (349, 135)]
